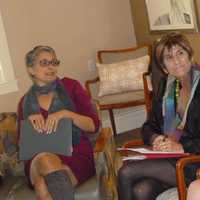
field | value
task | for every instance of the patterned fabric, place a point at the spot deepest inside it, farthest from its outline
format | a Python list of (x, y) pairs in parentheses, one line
[(122, 76), (173, 125), (60, 101), (9, 163), (171, 119)]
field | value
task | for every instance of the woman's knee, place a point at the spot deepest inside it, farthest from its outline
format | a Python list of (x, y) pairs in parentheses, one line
[(146, 189), (125, 172), (45, 163)]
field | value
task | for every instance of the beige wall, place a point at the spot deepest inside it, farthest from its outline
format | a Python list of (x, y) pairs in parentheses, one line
[(76, 29), (142, 33)]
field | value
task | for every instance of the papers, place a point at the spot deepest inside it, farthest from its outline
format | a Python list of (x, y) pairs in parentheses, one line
[(134, 158), (148, 151), (144, 153)]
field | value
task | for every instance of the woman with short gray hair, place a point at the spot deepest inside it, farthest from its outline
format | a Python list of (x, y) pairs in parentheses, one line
[(50, 99)]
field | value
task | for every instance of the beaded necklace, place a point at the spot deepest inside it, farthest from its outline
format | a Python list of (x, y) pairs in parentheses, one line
[(177, 86), (177, 91)]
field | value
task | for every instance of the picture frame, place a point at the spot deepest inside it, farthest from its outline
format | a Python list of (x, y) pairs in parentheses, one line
[(164, 15)]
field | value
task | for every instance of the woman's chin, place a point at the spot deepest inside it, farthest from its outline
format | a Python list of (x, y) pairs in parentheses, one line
[(51, 78), (181, 74), (45, 81)]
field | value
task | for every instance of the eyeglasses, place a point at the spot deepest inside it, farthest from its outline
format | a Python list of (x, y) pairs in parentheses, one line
[(46, 63)]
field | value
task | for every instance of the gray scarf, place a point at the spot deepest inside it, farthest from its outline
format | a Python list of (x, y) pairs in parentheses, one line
[(61, 101)]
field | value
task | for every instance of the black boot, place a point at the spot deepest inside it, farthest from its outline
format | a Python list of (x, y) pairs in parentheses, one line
[(59, 185)]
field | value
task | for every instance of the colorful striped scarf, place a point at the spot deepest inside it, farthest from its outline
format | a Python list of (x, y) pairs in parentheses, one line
[(173, 124)]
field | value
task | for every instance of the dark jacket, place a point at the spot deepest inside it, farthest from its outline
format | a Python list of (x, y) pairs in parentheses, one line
[(191, 140)]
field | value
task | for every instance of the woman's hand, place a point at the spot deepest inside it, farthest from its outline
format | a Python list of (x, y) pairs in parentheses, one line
[(157, 143), (163, 143), (52, 121), (38, 122), (172, 145)]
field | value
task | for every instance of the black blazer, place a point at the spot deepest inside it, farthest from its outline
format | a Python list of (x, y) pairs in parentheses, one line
[(190, 141)]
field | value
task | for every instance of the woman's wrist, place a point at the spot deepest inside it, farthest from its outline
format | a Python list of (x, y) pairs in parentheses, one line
[(68, 114), (153, 137)]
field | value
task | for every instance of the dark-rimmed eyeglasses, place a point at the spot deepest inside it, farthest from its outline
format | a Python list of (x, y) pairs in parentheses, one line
[(46, 63)]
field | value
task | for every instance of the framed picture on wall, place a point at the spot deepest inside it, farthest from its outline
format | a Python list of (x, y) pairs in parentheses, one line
[(171, 15)]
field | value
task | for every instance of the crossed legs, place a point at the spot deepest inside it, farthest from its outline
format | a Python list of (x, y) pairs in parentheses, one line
[(42, 166)]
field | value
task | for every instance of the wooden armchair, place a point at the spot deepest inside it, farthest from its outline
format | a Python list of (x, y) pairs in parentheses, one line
[(148, 93), (182, 190), (120, 100)]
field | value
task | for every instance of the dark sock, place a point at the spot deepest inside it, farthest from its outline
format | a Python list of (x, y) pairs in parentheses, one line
[(59, 185)]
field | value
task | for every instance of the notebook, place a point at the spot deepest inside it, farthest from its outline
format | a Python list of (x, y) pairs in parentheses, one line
[(143, 153), (32, 142)]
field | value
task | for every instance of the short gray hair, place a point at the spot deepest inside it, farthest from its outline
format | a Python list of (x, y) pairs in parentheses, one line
[(32, 55)]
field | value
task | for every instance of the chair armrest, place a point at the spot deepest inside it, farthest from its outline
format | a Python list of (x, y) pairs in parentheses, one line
[(103, 138), (105, 155), (180, 173), (133, 143)]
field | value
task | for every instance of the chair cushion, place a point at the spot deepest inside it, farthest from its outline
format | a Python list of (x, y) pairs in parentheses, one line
[(20, 190), (122, 76), (88, 190), (171, 194), (120, 98)]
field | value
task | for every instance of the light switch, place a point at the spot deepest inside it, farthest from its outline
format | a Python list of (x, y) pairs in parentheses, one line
[(91, 65)]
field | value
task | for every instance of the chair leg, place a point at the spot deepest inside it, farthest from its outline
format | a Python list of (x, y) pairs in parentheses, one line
[(112, 120)]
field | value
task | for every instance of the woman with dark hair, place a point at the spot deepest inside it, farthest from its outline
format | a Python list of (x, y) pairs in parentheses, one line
[(173, 124), (47, 101)]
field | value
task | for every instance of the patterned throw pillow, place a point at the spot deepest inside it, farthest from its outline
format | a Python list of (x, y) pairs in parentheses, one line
[(9, 162), (122, 76), (8, 132)]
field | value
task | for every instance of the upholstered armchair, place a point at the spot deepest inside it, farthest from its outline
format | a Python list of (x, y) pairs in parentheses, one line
[(101, 186), (119, 83)]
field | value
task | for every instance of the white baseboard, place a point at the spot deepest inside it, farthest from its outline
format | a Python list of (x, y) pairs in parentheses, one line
[(126, 119)]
